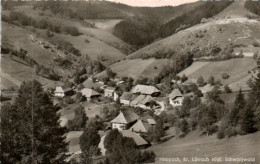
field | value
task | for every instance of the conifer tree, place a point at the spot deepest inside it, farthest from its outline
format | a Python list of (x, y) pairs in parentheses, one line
[(30, 129), (239, 105)]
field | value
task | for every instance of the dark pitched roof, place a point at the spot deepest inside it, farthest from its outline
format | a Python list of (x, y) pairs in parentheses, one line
[(138, 139), (147, 99), (125, 117), (141, 126), (126, 96), (138, 99)]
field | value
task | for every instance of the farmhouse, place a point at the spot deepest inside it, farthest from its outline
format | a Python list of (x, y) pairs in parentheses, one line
[(61, 92), (140, 142), (176, 98), (142, 101), (109, 91), (145, 90), (89, 93), (142, 126), (124, 120), (125, 98)]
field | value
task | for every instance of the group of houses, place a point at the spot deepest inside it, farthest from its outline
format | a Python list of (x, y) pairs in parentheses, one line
[(143, 96), (130, 125)]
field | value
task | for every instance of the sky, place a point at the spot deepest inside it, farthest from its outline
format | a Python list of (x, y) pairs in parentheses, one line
[(153, 3)]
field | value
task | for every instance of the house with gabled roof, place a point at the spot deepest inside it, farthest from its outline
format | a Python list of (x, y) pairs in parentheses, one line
[(143, 126), (62, 91), (139, 141), (145, 103), (89, 93), (124, 120), (176, 98), (145, 90), (142, 101)]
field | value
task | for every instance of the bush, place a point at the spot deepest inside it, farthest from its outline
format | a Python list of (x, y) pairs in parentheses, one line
[(73, 31), (256, 44), (87, 41), (225, 76), (79, 121), (184, 78), (212, 129), (230, 131), (201, 81), (184, 126), (68, 100), (67, 46), (221, 133), (227, 88), (211, 80)]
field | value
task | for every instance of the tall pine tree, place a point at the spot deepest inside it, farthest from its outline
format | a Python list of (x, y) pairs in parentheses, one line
[(254, 100), (239, 105), (30, 129)]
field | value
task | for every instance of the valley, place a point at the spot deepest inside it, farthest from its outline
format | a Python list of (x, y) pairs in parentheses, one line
[(131, 84)]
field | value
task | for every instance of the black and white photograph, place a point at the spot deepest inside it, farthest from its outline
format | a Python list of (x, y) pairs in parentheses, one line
[(130, 82)]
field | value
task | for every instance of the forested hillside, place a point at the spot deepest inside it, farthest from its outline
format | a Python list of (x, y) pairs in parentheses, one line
[(140, 26), (193, 17), (253, 6)]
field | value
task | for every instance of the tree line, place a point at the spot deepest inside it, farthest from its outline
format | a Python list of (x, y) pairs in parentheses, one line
[(214, 116), (19, 18)]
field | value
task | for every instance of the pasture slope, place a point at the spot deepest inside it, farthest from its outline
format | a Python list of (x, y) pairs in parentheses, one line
[(137, 68), (14, 72), (239, 70), (197, 145), (237, 28), (98, 38)]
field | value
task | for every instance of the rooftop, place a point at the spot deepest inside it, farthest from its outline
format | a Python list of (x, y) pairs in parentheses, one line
[(175, 93), (145, 89), (125, 117), (89, 92)]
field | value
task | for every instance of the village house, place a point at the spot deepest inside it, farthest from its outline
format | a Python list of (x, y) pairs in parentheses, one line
[(142, 101), (109, 91), (89, 93), (139, 141), (61, 92), (125, 98), (176, 98), (124, 120), (143, 126), (146, 90)]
